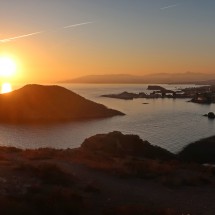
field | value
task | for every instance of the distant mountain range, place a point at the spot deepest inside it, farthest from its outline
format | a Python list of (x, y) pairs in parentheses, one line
[(159, 78)]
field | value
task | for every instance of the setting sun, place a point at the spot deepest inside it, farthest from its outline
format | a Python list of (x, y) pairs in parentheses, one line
[(7, 67), (6, 88)]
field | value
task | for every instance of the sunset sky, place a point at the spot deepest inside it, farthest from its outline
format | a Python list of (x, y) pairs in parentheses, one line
[(119, 36)]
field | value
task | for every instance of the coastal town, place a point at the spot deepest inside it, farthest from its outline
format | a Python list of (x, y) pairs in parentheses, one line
[(202, 94)]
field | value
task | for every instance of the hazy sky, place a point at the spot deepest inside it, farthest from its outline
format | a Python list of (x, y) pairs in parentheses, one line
[(126, 36)]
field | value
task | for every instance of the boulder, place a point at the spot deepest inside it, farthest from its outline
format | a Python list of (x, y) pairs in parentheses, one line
[(211, 115)]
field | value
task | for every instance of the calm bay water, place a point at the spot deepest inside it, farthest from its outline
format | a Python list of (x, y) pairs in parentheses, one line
[(168, 123)]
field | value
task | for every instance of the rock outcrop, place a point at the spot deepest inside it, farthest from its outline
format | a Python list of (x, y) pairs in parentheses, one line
[(123, 95), (210, 115), (117, 144), (37, 103)]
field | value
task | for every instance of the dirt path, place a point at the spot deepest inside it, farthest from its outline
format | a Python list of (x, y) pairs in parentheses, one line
[(120, 191)]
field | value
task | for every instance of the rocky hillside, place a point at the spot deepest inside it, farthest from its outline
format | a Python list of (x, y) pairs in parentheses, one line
[(110, 174)]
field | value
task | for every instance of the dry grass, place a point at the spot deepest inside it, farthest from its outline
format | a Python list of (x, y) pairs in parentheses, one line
[(138, 210), (47, 173), (43, 201)]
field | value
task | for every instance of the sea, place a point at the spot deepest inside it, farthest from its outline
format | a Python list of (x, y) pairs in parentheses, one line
[(169, 123)]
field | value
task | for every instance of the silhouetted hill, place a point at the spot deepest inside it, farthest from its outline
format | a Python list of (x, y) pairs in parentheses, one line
[(202, 151), (179, 78), (102, 79), (37, 103), (158, 78)]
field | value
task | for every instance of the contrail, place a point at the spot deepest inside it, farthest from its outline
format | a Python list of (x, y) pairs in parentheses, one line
[(169, 6), (40, 32), (76, 25), (18, 37)]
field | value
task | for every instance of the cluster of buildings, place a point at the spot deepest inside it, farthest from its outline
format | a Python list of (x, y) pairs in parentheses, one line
[(204, 94)]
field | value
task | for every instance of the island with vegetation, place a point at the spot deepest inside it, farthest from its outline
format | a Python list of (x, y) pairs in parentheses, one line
[(108, 174), (38, 103)]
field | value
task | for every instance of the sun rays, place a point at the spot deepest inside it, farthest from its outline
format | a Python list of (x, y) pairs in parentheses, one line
[(7, 71)]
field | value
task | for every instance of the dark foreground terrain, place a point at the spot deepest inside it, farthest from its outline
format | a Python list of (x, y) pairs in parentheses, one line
[(109, 174)]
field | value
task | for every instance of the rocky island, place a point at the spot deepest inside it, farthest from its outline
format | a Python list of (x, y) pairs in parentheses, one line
[(126, 95), (37, 103), (110, 174), (210, 115), (156, 87)]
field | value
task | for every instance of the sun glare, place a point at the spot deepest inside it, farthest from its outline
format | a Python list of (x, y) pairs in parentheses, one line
[(7, 67), (6, 88)]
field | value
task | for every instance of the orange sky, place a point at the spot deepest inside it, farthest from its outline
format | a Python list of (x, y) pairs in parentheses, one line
[(127, 38)]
